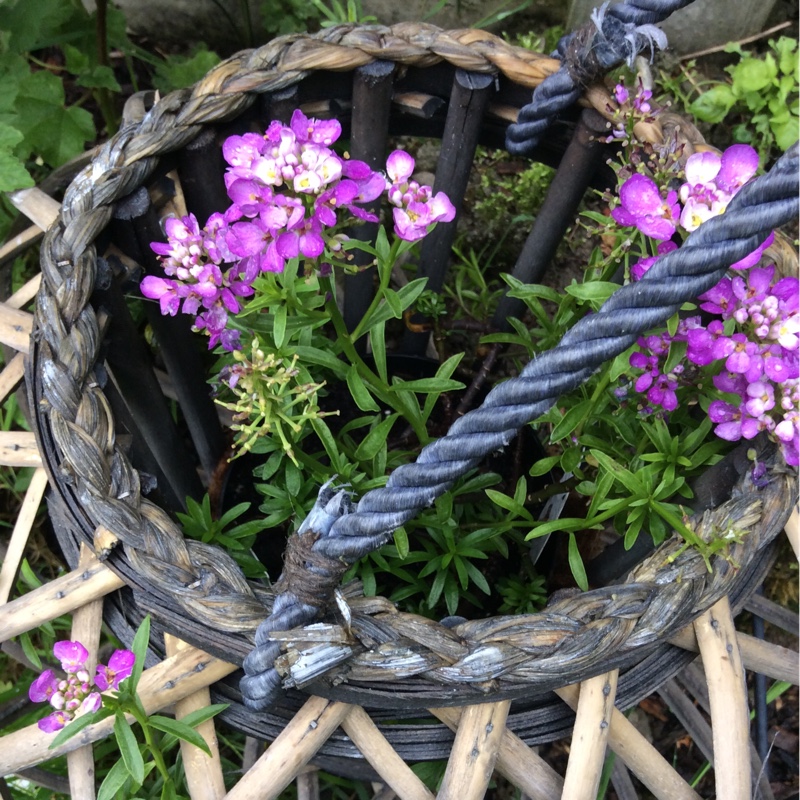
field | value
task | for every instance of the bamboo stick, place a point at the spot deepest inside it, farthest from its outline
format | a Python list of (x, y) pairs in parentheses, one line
[(18, 449), (25, 293), (61, 596), (730, 721), (294, 747), (515, 761), (642, 758), (11, 375), (20, 243), (474, 752), (203, 773), (168, 682), (772, 660), (590, 736), (376, 749), (19, 536), (86, 624), (308, 784), (36, 205), (793, 531), (15, 328)]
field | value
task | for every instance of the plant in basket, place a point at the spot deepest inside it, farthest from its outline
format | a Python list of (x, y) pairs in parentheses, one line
[(261, 280)]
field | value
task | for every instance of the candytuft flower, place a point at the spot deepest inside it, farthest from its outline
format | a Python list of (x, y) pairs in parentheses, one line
[(77, 694), (643, 207)]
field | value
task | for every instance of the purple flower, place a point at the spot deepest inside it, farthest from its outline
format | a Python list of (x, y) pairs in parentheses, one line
[(43, 688), (318, 131), (719, 299), (72, 655), (120, 666), (729, 419), (761, 398), (753, 258), (738, 164), (708, 344), (643, 207), (54, 722), (400, 166)]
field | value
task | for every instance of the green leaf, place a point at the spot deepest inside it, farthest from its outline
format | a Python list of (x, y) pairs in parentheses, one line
[(377, 339), (30, 650), (571, 419), (129, 747), (139, 648), (54, 132), (754, 74), (375, 439), (624, 476), (180, 730), (112, 784), (509, 504), (713, 105), (177, 72), (576, 563), (401, 542), (426, 385), (279, 326), (361, 396), (594, 290)]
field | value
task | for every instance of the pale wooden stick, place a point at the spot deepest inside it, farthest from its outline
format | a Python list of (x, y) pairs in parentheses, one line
[(772, 660), (294, 747), (18, 449), (793, 531), (25, 293), (86, 624), (474, 752), (374, 746), (11, 375), (203, 773), (21, 242), (61, 596), (15, 328), (22, 528), (515, 761), (642, 758), (36, 205), (168, 682), (730, 721), (590, 736), (308, 785)]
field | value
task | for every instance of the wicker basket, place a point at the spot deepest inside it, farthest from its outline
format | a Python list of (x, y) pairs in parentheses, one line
[(101, 423)]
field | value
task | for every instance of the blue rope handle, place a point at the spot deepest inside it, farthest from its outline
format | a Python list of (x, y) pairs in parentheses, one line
[(616, 34), (347, 533)]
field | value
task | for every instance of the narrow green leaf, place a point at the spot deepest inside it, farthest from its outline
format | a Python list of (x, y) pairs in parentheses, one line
[(543, 466), (180, 730), (377, 338), (375, 439), (279, 326), (571, 419), (77, 725), (594, 290), (110, 788), (139, 648), (508, 503), (427, 385), (401, 542), (363, 399), (129, 748), (576, 563)]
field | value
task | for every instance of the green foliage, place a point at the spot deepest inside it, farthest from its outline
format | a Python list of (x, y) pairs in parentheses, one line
[(764, 90), (199, 523), (179, 71)]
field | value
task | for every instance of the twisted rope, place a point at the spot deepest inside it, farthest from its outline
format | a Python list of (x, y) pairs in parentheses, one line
[(680, 276), (615, 34)]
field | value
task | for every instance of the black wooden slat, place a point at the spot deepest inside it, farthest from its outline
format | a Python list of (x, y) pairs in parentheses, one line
[(578, 165), (135, 227), (202, 169), (130, 365), (372, 98), (468, 100)]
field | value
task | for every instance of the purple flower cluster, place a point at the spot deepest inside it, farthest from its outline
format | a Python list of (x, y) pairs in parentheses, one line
[(631, 108), (78, 693), (711, 182), (290, 194), (755, 340)]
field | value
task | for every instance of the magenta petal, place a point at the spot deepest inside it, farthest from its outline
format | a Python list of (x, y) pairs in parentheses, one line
[(730, 431), (92, 702), (72, 655), (739, 164), (311, 244), (655, 227), (43, 687), (639, 194), (400, 166), (623, 217), (245, 238), (288, 245), (54, 722), (122, 661)]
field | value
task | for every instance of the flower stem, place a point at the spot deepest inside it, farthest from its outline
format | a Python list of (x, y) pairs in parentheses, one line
[(385, 273)]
